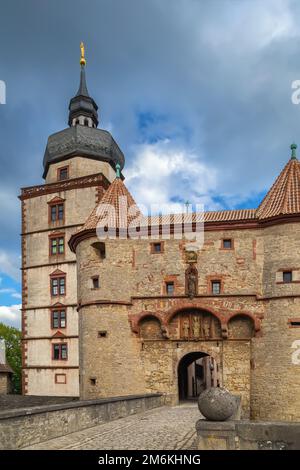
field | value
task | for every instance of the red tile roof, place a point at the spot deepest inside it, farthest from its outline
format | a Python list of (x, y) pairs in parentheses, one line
[(282, 199), (284, 196), (125, 208)]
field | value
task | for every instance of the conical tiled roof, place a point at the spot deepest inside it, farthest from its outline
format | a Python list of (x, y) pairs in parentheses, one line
[(284, 196), (117, 209)]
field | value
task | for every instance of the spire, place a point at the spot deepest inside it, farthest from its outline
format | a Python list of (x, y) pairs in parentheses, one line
[(83, 109), (284, 196), (293, 149), (118, 170)]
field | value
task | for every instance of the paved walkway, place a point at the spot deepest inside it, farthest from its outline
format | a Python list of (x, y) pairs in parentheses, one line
[(165, 428)]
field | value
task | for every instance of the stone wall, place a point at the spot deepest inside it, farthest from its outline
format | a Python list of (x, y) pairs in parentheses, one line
[(4, 383), (252, 339), (23, 427), (247, 435)]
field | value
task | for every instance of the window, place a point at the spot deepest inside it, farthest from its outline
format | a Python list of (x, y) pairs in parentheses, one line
[(227, 243), (294, 323), (93, 380), (58, 319), (99, 248), (102, 334), (95, 281), (170, 288), (86, 122), (216, 287), (57, 245), (60, 378), (287, 276), (63, 173), (60, 352), (56, 212), (157, 247), (58, 285)]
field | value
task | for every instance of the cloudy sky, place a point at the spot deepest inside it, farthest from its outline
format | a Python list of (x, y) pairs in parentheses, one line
[(196, 92)]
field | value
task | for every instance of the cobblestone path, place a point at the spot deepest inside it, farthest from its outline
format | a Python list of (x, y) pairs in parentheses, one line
[(164, 428)]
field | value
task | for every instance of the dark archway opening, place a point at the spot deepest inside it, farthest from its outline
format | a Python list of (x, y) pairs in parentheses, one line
[(197, 371)]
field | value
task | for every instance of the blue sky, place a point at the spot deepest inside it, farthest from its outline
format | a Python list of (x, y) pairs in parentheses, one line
[(196, 92)]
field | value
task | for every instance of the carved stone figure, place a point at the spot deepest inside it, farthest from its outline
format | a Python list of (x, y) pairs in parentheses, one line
[(196, 326), (206, 328), (191, 281), (186, 328)]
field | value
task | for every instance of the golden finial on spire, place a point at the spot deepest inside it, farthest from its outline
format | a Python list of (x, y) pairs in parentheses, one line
[(82, 58)]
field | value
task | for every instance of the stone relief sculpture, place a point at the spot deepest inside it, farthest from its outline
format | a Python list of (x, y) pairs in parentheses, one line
[(199, 326)]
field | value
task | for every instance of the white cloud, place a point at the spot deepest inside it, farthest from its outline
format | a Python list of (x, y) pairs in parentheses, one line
[(11, 315), (163, 172), (9, 264), (11, 291)]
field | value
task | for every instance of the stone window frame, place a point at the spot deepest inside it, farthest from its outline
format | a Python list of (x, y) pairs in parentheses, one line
[(170, 283), (60, 345), (227, 239), (56, 202), (60, 170), (152, 248), (58, 276), (59, 309), (62, 375), (57, 236), (93, 279), (219, 281), (288, 270)]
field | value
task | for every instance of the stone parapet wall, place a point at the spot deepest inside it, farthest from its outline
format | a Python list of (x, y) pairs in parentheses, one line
[(26, 426)]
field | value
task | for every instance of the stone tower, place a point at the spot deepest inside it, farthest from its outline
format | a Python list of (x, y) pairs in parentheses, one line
[(79, 165)]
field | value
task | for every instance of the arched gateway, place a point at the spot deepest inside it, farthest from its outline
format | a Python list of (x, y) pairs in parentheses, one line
[(192, 348), (197, 371)]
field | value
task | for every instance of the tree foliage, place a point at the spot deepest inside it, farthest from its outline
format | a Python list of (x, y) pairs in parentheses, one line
[(12, 338)]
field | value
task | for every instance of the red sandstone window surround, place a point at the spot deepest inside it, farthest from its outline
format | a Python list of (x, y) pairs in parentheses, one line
[(59, 351), (63, 173), (60, 378), (56, 212), (57, 284), (216, 287), (227, 244), (294, 322), (170, 288), (58, 318), (156, 247), (56, 244)]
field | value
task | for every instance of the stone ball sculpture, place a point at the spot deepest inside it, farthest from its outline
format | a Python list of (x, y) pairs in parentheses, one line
[(217, 404)]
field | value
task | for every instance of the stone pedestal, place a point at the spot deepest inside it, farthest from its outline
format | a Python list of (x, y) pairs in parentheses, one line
[(216, 435), (247, 435)]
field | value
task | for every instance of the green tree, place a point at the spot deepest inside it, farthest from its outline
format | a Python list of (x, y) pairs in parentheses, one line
[(12, 338)]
